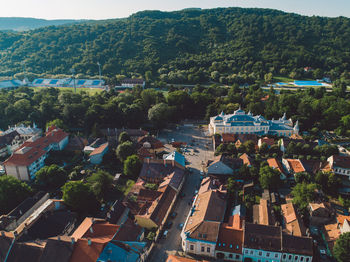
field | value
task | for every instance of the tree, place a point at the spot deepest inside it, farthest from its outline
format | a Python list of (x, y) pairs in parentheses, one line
[(79, 197), (51, 177), (303, 194), (124, 150), (12, 193), (100, 182), (341, 248), (132, 166), (264, 149), (302, 177), (249, 147), (269, 178), (159, 115), (56, 122), (123, 137)]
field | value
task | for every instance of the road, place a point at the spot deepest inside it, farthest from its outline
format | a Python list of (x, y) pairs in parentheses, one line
[(172, 244)]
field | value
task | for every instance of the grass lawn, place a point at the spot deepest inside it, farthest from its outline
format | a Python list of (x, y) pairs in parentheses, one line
[(285, 79), (90, 91)]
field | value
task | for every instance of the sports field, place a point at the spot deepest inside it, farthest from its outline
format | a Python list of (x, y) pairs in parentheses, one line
[(90, 91)]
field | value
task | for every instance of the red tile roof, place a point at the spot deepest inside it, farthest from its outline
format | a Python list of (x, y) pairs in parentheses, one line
[(247, 160), (228, 138), (230, 240), (296, 165), (341, 161), (31, 151), (99, 150), (83, 252), (268, 141), (274, 163)]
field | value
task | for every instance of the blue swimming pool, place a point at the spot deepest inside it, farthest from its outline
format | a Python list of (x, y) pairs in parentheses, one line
[(307, 83)]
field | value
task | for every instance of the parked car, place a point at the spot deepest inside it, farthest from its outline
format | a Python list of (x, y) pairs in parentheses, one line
[(180, 226), (168, 224), (173, 214), (165, 234)]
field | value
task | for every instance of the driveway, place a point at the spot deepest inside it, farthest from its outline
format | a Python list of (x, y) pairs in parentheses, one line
[(172, 244)]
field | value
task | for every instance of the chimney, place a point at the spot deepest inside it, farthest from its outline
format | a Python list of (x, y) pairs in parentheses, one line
[(89, 242), (72, 240)]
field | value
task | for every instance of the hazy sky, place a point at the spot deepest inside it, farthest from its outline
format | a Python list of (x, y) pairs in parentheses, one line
[(101, 9)]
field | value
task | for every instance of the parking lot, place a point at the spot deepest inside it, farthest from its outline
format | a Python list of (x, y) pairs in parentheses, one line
[(197, 152)]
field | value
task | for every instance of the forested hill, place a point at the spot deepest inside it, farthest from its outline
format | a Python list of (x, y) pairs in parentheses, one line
[(27, 23), (231, 45)]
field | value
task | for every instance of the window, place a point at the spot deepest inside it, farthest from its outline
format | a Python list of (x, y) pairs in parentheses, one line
[(307, 259), (237, 257), (301, 258), (202, 249), (290, 257), (230, 255), (246, 252), (259, 260), (284, 256), (260, 253), (208, 249), (251, 252), (296, 258), (267, 254), (191, 247), (276, 256)]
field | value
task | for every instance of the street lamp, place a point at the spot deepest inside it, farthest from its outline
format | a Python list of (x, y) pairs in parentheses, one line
[(99, 69), (73, 77)]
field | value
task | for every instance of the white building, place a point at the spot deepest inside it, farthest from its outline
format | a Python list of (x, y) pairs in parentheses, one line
[(30, 157), (241, 123), (340, 165)]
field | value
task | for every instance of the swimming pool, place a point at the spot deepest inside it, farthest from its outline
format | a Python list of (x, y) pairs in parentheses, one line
[(307, 83)]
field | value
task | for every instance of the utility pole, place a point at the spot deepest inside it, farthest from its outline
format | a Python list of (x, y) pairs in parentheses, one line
[(99, 69), (73, 77)]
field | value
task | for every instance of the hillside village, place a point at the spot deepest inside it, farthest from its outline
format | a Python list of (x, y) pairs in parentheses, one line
[(240, 194)]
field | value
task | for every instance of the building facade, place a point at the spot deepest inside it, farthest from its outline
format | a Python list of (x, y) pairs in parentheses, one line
[(241, 123)]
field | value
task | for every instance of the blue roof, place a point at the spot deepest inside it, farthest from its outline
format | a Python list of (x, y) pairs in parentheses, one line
[(276, 126), (122, 251), (177, 157), (80, 82), (95, 82)]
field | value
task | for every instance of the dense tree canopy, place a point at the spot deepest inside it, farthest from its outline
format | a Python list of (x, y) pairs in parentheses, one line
[(132, 166), (51, 177), (231, 45), (12, 193), (341, 248)]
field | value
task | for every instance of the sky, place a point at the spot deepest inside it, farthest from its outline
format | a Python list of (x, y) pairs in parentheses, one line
[(105, 9)]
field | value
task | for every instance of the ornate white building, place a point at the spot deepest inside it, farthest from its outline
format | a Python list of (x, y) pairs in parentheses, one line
[(241, 123)]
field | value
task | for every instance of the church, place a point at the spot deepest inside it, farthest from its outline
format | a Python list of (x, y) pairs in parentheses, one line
[(241, 123)]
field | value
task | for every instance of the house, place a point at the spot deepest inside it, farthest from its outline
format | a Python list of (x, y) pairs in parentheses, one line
[(268, 141), (333, 230), (57, 249), (241, 123), (262, 213), (176, 156), (30, 157), (173, 258), (269, 243), (201, 229), (132, 82), (230, 240), (118, 213), (144, 153), (292, 222), (152, 144), (224, 165), (12, 220), (228, 138), (320, 213), (340, 165), (276, 164), (123, 251), (247, 160), (154, 213), (77, 143), (293, 166), (96, 156)]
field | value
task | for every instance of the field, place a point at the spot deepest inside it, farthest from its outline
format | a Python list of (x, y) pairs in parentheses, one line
[(90, 91)]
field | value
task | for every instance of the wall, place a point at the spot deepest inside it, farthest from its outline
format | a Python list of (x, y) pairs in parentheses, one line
[(261, 255), (145, 222), (234, 256)]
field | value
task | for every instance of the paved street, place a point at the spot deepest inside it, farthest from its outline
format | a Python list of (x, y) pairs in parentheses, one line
[(203, 145)]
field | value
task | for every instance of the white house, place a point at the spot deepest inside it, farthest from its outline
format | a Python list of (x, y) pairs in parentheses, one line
[(340, 165), (241, 123), (201, 230)]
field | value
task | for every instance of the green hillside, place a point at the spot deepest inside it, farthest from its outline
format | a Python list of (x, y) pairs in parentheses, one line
[(231, 45)]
